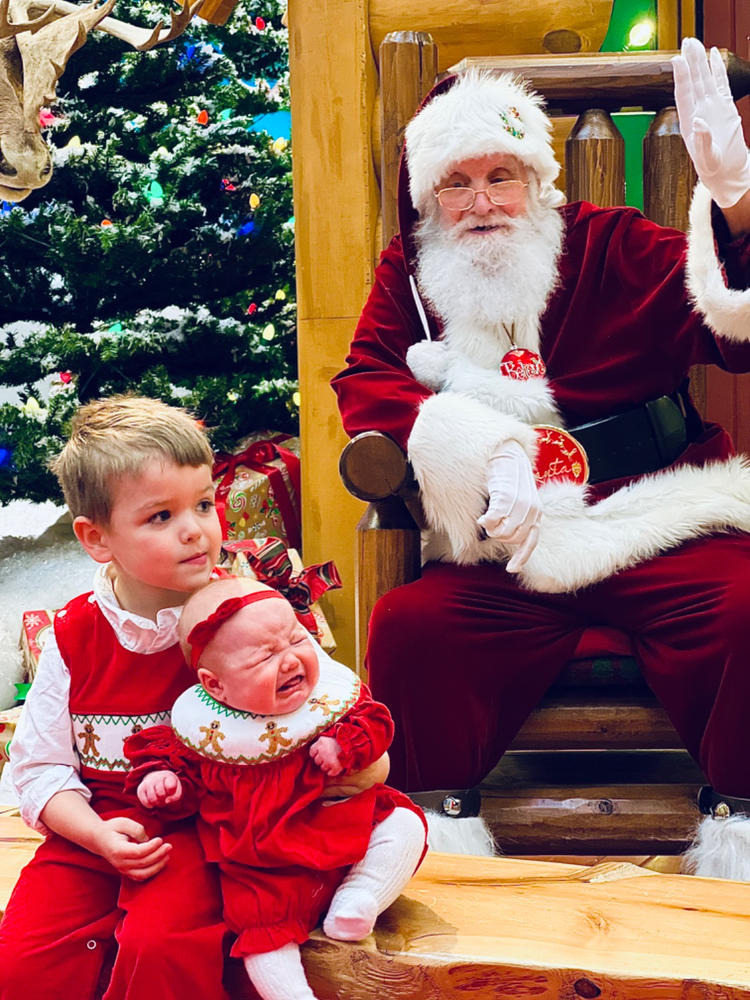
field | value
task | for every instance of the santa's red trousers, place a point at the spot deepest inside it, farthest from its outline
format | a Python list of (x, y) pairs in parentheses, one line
[(462, 656), (56, 937)]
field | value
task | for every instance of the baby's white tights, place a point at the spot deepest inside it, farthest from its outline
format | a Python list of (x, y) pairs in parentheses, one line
[(278, 975), (369, 888), (378, 879)]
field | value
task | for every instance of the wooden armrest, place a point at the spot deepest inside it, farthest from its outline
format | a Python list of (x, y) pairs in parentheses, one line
[(373, 467)]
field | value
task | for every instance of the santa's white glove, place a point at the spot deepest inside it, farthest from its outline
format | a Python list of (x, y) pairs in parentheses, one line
[(514, 511), (710, 123)]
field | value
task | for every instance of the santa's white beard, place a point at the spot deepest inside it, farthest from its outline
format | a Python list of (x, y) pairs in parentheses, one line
[(495, 283)]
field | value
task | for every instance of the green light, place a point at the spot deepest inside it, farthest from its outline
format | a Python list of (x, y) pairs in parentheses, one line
[(641, 34)]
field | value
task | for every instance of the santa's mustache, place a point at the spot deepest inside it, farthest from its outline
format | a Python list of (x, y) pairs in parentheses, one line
[(507, 223)]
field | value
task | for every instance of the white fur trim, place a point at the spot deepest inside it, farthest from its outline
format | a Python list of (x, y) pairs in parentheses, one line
[(580, 545), (449, 448), (477, 116), (725, 310), (469, 835), (721, 849), (428, 360), (438, 366)]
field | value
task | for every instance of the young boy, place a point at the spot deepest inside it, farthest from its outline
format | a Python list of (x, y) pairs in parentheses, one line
[(136, 475), (251, 747)]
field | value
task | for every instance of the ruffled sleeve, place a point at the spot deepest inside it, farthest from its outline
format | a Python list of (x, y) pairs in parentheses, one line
[(364, 734), (158, 749)]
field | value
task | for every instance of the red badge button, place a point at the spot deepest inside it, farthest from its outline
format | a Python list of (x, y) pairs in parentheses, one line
[(559, 456), (521, 364)]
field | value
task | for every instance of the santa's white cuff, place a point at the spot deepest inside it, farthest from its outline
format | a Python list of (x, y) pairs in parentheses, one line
[(449, 449), (725, 310)]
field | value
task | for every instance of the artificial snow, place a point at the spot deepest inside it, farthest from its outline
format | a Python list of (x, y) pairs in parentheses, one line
[(41, 566)]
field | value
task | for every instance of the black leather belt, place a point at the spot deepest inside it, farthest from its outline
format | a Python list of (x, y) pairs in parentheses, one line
[(644, 439)]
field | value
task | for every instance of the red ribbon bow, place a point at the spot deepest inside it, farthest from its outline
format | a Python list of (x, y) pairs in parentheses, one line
[(258, 457), (269, 560)]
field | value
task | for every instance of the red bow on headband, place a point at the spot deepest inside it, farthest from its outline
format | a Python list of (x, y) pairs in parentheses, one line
[(202, 633)]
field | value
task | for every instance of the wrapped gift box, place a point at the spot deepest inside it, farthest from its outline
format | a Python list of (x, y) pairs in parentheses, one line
[(35, 628), (270, 561), (258, 488), (8, 721)]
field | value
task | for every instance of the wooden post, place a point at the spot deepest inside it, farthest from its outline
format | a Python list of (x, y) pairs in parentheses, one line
[(333, 82), (668, 181), (388, 555), (668, 173), (408, 65), (595, 160)]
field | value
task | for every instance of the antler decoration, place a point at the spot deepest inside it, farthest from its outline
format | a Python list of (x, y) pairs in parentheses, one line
[(179, 21), (45, 34), (9, 28), (46, 53)]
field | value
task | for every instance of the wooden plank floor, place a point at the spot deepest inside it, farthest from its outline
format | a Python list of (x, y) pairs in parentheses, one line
[(505, 928)]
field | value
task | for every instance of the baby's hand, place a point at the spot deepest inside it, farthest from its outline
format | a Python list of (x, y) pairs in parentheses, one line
[(159, 788), (325, 752)]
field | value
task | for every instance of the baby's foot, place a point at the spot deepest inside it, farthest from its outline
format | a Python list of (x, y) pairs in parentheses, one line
[(351, 916)]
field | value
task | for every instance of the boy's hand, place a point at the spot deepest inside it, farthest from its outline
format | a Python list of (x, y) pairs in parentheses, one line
[(325, 752), (159, 788), (359, 781), (126, 845)]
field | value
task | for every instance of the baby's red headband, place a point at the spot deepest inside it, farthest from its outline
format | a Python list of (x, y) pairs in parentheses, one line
[(202, 633)]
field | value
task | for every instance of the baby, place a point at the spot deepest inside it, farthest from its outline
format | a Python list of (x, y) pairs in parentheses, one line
[(252, 748)]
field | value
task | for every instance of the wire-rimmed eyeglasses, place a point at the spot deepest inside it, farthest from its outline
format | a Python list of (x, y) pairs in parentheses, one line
[(461, 199)]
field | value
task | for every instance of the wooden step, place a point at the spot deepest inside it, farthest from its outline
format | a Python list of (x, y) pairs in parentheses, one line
[(590, 719), (583, 803), (502, 928)]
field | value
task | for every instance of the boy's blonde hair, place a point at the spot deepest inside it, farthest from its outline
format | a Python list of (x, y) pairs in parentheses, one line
[(116, 437)]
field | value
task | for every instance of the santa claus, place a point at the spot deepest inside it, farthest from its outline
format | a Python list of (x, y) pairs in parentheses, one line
[(601, 313)]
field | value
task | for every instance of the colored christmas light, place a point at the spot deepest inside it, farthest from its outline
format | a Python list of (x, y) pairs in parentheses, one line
[(155, 193), (254, 201), (260, 23), (246, 229), (46, 118), (251, 309), (280, 295), (202, 117), (269, 332)]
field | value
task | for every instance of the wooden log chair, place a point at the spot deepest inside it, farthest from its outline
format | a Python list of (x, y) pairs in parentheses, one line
[(598, 768)]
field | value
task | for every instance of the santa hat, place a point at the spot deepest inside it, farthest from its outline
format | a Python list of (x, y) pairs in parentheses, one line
[(480, 114)]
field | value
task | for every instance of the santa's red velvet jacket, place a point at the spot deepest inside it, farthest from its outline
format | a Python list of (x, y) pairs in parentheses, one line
[(635, 307)]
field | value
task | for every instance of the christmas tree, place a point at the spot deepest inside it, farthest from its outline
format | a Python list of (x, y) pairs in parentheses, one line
[(159, 258)]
